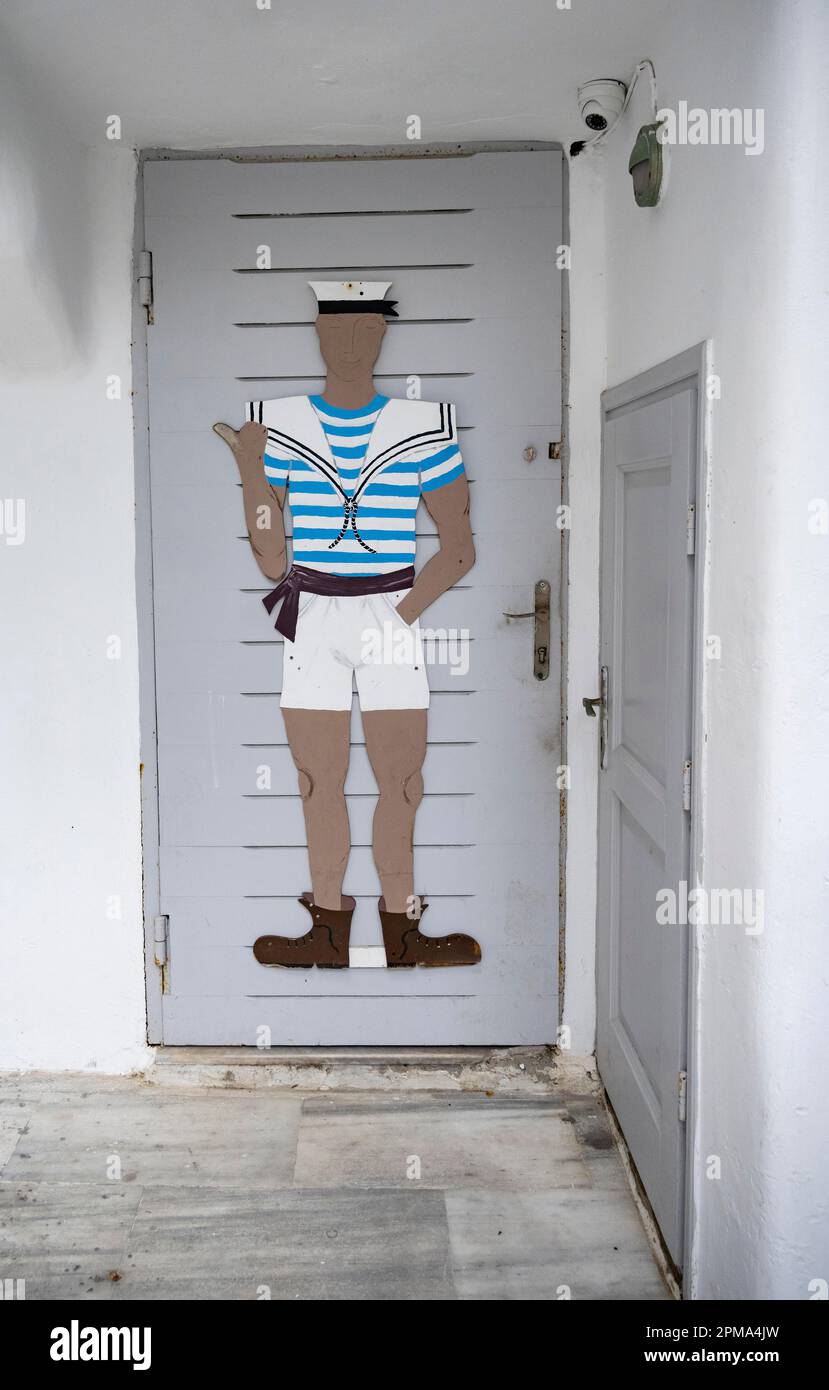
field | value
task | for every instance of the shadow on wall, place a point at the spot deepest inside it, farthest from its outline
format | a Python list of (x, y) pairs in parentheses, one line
[(45, 233)]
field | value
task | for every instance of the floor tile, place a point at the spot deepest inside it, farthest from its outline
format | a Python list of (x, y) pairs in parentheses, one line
[(224, 1137), (211, 1243), (520, 1143), (544, 1246), (65, 1240)]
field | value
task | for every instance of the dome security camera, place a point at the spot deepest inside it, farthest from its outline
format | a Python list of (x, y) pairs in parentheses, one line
[(600, 102)]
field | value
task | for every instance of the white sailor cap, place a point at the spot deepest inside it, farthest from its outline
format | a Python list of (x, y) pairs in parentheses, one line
[(353, 297)]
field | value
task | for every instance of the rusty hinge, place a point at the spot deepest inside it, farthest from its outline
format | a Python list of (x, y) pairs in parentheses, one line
[(161, 949), (682, 1094), (145, 282)]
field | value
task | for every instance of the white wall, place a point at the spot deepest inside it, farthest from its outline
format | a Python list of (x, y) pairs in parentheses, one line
[(733, 256), (71, 984)]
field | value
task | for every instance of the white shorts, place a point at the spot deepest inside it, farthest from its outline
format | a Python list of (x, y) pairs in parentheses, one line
[(346, 637)]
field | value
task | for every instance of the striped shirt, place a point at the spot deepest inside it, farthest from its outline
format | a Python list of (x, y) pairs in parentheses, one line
[(382, 535)]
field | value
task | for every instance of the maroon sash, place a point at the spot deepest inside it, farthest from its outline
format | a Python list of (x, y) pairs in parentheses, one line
[(300, 579)]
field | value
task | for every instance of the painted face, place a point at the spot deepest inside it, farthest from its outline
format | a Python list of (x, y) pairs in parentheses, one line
[(350, 343)]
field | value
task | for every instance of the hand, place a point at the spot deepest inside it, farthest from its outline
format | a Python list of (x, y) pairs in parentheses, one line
[(247, 446), (410, 614)]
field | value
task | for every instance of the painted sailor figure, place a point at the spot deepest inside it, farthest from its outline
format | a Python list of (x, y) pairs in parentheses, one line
[(352, 466)]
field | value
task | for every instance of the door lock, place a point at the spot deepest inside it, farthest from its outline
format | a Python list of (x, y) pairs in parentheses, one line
[(541, 631)]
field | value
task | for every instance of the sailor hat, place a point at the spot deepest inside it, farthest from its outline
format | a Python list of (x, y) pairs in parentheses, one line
[(353, 297)]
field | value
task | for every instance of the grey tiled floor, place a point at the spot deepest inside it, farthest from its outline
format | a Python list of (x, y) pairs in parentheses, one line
[(114, 1189)]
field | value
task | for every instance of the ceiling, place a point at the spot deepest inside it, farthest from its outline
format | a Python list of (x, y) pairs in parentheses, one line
[(204, 73)]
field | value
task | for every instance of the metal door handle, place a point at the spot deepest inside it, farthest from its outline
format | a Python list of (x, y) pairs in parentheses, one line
[(590, 702), (541, 634)]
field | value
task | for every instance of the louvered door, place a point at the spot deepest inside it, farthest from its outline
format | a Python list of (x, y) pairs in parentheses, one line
[(470, 245)]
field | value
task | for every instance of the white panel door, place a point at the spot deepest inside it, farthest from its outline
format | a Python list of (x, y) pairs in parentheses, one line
[(647, 595), (470, 246)]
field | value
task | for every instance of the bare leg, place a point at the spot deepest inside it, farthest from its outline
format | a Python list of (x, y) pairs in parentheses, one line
[(320, 746), (396, 744)]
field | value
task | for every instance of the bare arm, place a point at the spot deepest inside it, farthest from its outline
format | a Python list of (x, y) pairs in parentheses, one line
[(449, 508), (263, 503)]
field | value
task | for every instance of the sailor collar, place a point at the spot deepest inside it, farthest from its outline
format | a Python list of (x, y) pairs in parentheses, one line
[(402, 427)]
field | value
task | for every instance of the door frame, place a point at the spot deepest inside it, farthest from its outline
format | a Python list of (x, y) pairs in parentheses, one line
[(145, 600), (694, 367)]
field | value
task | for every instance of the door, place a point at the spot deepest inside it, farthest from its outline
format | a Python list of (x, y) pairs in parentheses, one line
[(647, 601), (469, 244)]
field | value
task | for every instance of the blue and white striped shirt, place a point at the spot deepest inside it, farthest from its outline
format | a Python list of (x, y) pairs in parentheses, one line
[(385, 517)]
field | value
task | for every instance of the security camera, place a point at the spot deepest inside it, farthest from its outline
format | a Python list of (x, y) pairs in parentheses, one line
[(600, 102)]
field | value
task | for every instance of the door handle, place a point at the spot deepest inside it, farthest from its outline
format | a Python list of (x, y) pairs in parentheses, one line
[(590, 702), (541, 630)]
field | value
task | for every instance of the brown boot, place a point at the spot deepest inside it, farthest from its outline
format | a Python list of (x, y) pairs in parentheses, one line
[(406, 945), (325, 945)]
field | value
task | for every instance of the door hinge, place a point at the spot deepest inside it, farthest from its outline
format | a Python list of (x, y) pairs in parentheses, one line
[(161, 949), (145, 282), (682, 1093), (691, 533), (161, 940), (686, 785)]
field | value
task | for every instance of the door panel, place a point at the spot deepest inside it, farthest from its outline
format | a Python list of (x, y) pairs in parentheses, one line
[(648, 481), (480, 328)]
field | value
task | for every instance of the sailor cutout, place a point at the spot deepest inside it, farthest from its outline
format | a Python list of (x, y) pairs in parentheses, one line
[(353, 467)]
